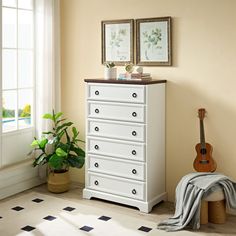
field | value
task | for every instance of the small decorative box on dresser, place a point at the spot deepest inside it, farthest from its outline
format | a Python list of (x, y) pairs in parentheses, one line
[(125, 142)]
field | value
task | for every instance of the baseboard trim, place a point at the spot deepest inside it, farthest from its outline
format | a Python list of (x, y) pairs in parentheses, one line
[(18, 178), (20, 187)]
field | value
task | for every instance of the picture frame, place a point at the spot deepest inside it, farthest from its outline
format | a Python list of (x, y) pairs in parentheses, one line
[(118, 41), (153, 41)]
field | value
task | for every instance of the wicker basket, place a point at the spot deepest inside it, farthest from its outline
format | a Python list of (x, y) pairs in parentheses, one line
[(58, 182), (217, 212)]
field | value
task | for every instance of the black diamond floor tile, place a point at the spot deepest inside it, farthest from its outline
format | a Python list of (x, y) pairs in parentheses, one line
[(68, 208), (28, 228), (50, 218), (145, 229), (37, 200), (0, 217), (86, 228), (17, 208), (104, 218)]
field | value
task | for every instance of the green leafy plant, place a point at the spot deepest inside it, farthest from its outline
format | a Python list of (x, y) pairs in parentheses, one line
[(109, 64), (57, 148)]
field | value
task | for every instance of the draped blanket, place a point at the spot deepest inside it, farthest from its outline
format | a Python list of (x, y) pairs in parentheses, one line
[(191, 189)]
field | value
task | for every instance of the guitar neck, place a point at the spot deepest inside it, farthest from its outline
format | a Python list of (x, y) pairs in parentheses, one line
[(202, 135)]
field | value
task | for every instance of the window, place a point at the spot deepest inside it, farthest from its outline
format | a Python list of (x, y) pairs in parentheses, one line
[(17, 64)]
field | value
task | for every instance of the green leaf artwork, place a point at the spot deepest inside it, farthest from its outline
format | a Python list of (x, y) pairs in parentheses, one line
[(151, 40), (117, 37)]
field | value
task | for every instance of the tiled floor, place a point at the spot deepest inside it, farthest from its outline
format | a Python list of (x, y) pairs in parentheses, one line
[(38, 212)]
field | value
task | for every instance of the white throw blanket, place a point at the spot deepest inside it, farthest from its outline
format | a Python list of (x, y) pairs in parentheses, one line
[(189, 193)]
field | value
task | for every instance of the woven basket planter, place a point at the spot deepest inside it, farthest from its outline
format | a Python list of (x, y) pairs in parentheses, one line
[(58, 182)]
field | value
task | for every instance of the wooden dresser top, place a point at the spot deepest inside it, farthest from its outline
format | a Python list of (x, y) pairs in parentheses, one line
[(115, 81)]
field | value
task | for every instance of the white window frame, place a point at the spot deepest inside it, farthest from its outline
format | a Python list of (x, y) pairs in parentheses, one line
[(17, 89)]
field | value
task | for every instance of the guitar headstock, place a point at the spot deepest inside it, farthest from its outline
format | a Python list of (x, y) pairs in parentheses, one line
[(201, 113)]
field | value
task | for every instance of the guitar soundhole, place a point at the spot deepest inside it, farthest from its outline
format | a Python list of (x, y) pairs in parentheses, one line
[(203, 151)]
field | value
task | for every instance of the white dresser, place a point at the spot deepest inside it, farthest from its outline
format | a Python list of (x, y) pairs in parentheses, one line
[(125, 142)]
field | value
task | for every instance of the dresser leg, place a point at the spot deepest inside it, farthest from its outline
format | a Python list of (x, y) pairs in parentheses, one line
[(145, 207), (87, 194)]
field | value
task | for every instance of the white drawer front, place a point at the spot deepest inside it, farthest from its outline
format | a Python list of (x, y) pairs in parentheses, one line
[(117, 93), (111, 166), (129, 131), (116, 111), (118, 186), (108, 147)]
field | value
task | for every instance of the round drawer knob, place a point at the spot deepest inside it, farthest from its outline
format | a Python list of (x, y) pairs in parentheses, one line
[(134, 152), (96, 182), (134, 114), (134, 133), (134, 95), (96, 128), (96, 110), (96, 147), (96, 92), (96, 164), (134, 171), (134, 191)]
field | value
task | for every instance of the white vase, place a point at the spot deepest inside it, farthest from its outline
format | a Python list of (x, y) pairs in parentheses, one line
[(110, 73)]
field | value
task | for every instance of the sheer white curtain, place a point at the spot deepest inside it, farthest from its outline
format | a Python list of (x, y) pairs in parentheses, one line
[(47, 44), (47, 57)]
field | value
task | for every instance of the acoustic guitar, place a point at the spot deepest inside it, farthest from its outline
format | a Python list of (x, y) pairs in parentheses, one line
[(204, 161)]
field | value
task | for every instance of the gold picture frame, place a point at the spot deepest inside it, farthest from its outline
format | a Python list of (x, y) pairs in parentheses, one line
[(118, 41), (153, 41)]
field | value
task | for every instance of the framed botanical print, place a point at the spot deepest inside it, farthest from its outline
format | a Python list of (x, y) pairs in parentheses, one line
[(118, 41), (153, 41)]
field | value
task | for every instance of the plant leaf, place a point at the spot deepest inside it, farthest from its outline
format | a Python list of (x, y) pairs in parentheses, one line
[(75, 132), (58, 121), (58, 115), (35, 143), (56, 162), (60, 152), (49, 132), (80, 152), (48, 116), (52, 140), (79, 140), (39, 160), (63, 126), (63, 146), (43, 143), (67, 137), (75, 161)]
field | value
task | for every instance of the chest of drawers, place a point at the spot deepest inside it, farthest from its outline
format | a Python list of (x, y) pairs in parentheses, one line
[(125, 142)]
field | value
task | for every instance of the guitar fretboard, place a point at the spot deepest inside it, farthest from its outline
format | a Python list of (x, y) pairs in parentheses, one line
[(202, 135)]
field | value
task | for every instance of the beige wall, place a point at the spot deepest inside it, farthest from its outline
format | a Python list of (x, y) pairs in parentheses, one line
[(203, 73)]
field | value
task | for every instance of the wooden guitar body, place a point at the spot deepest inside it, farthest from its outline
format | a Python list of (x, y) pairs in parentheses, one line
[(204, 161)]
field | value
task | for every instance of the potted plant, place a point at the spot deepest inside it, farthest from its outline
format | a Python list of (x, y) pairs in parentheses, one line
[(59, 149), (110, 70)]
